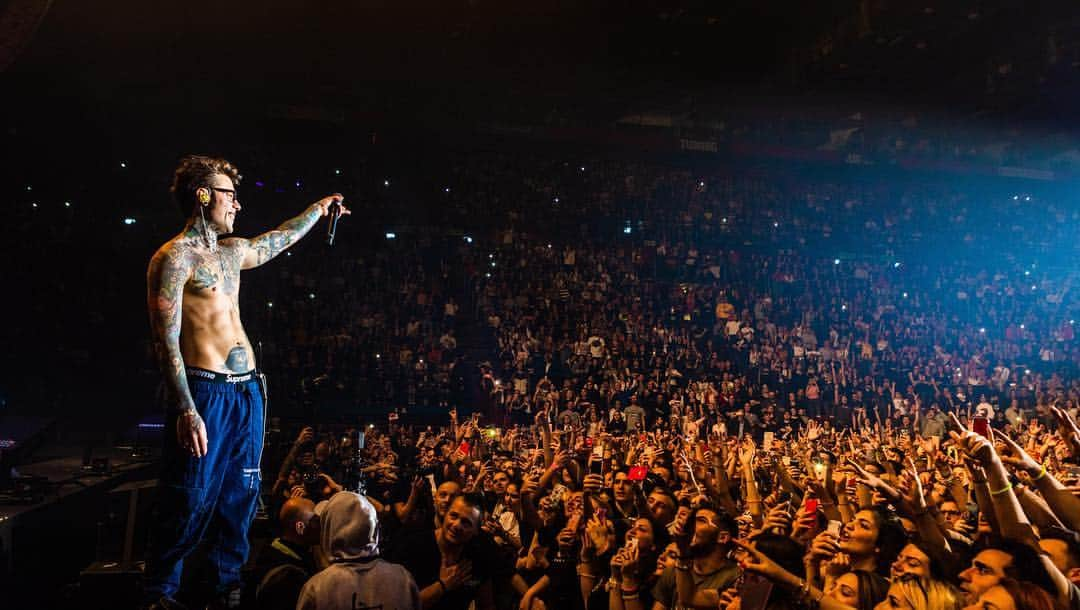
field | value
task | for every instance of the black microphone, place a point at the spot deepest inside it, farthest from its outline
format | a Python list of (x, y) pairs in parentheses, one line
[(331, 227)]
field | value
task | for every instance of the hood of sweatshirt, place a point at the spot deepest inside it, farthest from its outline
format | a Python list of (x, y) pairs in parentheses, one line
[(350, 527)]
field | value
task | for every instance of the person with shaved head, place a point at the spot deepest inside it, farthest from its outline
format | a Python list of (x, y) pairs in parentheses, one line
[(283, 566)]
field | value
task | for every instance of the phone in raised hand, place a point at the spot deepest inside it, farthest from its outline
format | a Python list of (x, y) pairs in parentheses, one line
[(981, 426)]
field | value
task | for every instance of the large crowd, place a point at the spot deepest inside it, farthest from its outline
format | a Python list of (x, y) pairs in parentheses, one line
[(704, 392), (629, 382)]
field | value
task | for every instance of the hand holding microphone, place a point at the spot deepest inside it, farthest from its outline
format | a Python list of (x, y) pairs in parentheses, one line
[(333, 207)]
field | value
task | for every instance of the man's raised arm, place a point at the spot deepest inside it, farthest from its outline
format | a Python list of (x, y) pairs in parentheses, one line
[(165, 281), (261, 249)]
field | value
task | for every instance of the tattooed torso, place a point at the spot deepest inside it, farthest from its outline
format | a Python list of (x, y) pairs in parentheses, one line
[(193, 298), (211, 334)]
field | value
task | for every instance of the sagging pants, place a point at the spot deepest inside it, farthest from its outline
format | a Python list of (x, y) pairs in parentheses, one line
[(215, 495)]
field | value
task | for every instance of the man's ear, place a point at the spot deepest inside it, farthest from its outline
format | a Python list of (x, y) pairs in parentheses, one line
[(1074, 576)]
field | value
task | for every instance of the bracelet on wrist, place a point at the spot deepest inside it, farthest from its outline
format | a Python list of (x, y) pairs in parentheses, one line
[(585, 574), (1041, 474), (1001, 491)]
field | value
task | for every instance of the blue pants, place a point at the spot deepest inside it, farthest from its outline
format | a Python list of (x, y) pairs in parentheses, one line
[(214, 496)]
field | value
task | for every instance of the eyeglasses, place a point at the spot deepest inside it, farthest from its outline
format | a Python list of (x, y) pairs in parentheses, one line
[(231, 192)]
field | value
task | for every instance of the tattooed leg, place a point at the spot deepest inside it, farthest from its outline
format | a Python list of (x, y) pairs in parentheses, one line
[(237, 360)]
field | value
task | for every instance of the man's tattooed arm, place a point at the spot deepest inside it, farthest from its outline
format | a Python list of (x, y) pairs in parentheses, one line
[(165, 281), (261, 249)]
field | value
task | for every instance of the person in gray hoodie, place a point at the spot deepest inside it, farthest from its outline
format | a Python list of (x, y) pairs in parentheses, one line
[(356, 578)]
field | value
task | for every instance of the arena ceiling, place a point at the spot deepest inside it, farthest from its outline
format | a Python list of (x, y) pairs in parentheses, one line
[(454, 58)]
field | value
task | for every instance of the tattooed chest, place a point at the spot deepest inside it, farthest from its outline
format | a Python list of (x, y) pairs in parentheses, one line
[(209, 276)]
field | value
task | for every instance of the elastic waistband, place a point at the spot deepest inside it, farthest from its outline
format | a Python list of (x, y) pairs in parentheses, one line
[(215, 377)]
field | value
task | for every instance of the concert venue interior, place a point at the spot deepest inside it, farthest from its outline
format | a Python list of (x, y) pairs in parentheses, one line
[(794, 266)]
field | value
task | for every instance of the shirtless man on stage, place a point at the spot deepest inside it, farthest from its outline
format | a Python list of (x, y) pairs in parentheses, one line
[(210, 478)]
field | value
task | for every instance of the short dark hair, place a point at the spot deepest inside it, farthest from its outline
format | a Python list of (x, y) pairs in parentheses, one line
[(1071, 540), (473, 500), (194, 172), (723, 520), (1026, 564)]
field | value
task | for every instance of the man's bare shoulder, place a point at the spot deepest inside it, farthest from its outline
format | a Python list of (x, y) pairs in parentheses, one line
[(233, 243), (175, 254)]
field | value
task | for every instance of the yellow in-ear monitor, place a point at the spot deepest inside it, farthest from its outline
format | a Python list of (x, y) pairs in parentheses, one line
[(204, 197)]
